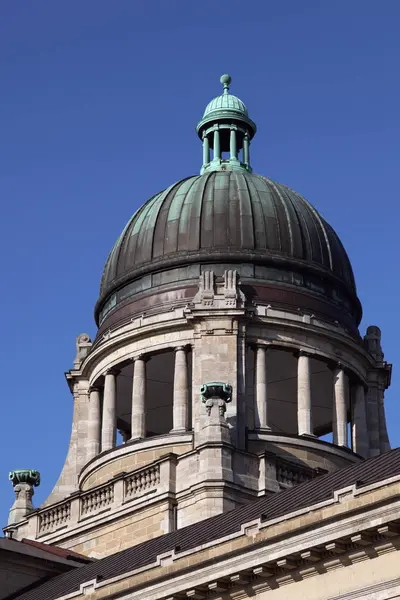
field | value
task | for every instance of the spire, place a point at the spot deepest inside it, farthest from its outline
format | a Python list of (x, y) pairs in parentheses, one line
[(226, 129)]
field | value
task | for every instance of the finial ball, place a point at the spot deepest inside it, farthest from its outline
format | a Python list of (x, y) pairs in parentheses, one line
[(225, 80)]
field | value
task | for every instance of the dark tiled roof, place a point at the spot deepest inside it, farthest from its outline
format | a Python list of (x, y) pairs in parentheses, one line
[(307, 494), (57, 551)]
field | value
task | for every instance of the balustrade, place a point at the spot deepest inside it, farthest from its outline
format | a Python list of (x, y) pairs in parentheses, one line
[(93, 502), (97, 500), (54, 518), (141, 482)]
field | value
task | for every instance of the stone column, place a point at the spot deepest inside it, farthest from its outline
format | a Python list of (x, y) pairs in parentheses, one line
[(304, 415), (384, 443), (359, 428), (109, 426), (217, 145), (181, 391), (340, 391), (233, 145), (261, 389), (138, 422), (94, 423), (206, 151)]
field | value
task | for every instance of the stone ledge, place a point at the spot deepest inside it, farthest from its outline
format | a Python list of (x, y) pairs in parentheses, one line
[(131, 448)]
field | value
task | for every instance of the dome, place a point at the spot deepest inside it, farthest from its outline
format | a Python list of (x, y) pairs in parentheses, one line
[(225, 102), (231, 217), (228, 218), (224, 110)]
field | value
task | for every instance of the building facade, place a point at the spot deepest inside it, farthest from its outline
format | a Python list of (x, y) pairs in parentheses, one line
[(227, 405)]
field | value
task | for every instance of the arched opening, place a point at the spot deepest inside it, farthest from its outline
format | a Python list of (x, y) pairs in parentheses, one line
[(160, 370), (282, 393)]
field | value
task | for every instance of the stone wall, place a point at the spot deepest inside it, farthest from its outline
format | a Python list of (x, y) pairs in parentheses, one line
[(130, 462), (122, 533)]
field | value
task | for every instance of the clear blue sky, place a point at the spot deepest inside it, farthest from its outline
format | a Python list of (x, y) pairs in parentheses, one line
[(98, 105)]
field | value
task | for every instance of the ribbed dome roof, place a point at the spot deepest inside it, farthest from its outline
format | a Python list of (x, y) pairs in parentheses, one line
[(226, 216), (225, 102)]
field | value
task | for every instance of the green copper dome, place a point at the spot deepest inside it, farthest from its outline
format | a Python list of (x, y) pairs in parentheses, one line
[(227, 217), (225, 101), (226, 128)]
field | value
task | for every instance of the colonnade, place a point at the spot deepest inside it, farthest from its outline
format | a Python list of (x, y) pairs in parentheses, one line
[(102, 424), (340, 402), (102, 421), (234, 143)]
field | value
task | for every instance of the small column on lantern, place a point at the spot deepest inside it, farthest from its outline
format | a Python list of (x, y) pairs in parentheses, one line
[(206, 150), (233, 145), (246, 150), (217, 145)]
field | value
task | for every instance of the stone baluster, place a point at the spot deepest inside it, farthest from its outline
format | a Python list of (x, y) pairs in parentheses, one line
[(94, 425), (181, 391), (138, 421), (261, 389), (304, 406), (109, 426), (359, 428), (340, 392)]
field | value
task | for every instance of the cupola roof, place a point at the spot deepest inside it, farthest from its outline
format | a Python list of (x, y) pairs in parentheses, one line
[(227, 215)]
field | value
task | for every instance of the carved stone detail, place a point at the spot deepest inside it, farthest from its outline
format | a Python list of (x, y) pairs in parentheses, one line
[(83, 345), (218, 293), (216, 393), (23, 482), (372, 341)]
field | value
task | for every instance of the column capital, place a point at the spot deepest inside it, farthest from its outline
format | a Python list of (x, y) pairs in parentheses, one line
[(184, 347), (144, 357), (260, 346), (94, 388), (301, 352), (112, 371)]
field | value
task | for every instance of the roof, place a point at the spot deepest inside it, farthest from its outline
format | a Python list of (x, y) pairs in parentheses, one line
[(42, 551), (225, 102), (301, 496), (57, 551), (223, 217)]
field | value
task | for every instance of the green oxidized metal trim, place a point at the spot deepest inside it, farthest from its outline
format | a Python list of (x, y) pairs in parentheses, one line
[(216, 389), (226, 107), (28, 476)]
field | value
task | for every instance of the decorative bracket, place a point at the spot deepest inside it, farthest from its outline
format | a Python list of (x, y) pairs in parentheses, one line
[(216, 393)]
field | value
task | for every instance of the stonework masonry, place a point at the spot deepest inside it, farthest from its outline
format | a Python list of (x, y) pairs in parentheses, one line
[(228, 375)]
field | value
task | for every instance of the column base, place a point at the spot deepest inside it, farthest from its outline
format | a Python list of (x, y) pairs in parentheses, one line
[(308, 435), (263, 429), (138, 438), (180, 430)]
